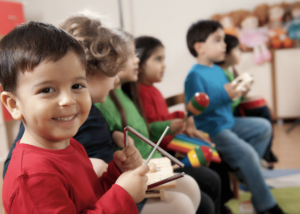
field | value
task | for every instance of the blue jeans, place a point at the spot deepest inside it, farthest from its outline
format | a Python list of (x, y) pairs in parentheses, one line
[(242, 147)]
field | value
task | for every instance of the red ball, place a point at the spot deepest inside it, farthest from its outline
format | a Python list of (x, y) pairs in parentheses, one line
[(202, 99)]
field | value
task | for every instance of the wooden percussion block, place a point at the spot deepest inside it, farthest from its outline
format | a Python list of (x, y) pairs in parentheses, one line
[(164, 169)]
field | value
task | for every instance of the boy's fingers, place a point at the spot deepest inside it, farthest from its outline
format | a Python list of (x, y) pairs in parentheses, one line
[(142, 170), (119, 155), (145, 179), (131, 150), (130, 141), (132, 166)]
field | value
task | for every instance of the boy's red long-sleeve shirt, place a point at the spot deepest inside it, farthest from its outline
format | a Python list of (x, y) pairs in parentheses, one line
[(61, 181), (156, 109)]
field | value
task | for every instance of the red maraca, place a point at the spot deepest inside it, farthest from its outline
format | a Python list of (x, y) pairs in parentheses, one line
[(198, 103)]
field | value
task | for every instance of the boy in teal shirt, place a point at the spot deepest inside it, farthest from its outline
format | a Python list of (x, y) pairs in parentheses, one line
[(241, 141)]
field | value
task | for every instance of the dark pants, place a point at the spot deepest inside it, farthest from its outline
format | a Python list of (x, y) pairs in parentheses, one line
[(210, 185)]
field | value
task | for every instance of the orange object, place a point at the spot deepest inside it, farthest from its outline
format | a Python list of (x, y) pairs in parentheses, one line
[(288, 43), (276, 43), (11, 15)]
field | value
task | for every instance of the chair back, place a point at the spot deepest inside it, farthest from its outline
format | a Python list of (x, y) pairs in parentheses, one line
[(174, 100)]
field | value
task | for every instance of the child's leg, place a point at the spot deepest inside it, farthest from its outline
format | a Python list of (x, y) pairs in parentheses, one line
[(255, 131), (239, 154), (188, 186), (175, 203), (262, 112), (210, 185)]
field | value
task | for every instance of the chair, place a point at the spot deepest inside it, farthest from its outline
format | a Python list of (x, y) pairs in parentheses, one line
[(178, 99)]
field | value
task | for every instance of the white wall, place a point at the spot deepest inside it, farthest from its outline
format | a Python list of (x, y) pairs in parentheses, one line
[(167, 20), (55, 11)]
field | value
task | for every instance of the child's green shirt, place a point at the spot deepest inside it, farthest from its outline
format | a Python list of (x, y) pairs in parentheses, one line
[(230, 78), (134, 120)]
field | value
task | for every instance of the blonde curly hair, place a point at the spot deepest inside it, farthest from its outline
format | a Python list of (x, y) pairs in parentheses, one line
[(106, 50)]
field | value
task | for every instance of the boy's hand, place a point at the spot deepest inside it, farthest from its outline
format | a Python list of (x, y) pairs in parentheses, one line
[(135, 183), (99, 166), (177, 126), (232, 91), (118, 138), (128, 159), (246, 91)]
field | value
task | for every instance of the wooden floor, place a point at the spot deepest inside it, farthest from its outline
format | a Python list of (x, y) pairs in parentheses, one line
[(285, 146)]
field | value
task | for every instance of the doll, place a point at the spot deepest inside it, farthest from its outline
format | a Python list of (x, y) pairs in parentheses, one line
[(228, 23), (293, 26), (254, 37), (278, 35)]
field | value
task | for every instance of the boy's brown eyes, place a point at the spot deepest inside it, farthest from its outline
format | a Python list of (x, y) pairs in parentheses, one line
[(78, 86), (46, 90)]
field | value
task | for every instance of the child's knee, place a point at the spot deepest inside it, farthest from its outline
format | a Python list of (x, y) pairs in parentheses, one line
[(188, 186), (182, 204), (265, 126)]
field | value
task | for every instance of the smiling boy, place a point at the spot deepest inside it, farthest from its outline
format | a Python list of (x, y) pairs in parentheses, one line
[(43, 74), (241, 141)]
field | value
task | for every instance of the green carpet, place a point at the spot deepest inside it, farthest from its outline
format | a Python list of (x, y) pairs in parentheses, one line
[(287, 198)]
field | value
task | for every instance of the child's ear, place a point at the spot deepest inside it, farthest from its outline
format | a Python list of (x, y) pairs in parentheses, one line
[(10, 102), (199, 47)]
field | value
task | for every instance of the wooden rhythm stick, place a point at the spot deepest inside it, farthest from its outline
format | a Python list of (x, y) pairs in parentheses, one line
[(163, 152)]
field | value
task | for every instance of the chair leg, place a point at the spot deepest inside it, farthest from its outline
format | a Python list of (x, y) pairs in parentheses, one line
[(235, 187), (293, 125)]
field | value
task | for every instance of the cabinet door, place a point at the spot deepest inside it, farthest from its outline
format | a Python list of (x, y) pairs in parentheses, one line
[(11, 15), (262, 77), (287, 68)]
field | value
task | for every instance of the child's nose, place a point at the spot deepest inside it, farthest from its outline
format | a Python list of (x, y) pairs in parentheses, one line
[(66, 99)]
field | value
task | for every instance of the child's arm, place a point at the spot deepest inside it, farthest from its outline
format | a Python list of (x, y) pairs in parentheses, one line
[(151, 105), (50, 193), (176, 114), (148, 105), (218, 96)]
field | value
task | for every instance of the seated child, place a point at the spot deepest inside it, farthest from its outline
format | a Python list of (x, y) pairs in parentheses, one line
[(94, 134), (45, 86), (232, 58), (151, 70), (241, 141), (122, 109)]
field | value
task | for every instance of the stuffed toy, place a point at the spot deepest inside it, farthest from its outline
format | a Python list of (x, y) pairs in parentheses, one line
[(227, 23), (293, 26), (251, 35), (278, 35)]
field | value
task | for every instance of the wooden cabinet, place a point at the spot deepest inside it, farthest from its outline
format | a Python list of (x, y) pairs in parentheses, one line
[(262, 74), (277, 81), (287, 81)]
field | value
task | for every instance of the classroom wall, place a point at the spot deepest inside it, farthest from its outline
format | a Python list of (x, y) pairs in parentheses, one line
[(166, 19)]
